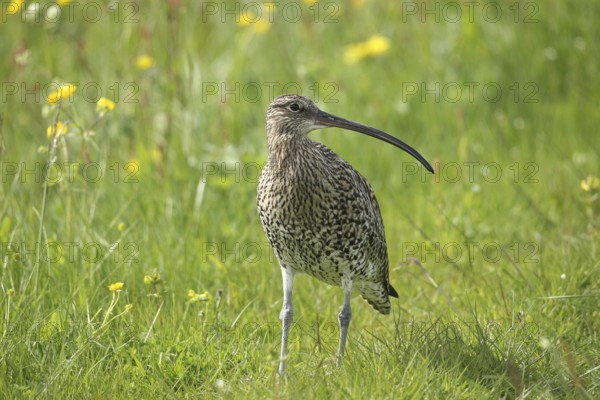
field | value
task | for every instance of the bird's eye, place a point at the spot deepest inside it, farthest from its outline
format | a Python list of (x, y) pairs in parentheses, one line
[(294, 107)]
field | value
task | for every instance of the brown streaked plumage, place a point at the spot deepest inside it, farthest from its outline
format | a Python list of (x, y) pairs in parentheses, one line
[(320, 214)]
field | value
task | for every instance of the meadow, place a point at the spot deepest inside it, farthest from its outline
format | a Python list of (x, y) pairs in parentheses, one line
[(133, 263)]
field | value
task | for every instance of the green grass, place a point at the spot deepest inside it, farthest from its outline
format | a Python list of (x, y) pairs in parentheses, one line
[(507, 302)]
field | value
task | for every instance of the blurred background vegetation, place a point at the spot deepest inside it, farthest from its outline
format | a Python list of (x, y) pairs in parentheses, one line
[(502, 95)]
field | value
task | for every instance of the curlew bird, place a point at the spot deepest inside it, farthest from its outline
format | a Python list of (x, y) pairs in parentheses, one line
[(320, 214)]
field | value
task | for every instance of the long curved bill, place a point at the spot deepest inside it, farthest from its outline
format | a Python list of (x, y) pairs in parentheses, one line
[(324, 120)]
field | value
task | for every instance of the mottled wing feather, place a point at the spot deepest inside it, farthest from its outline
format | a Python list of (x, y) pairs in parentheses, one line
[(376, 249), (367, 226)]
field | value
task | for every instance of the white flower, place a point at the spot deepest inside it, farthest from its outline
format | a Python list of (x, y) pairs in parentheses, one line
[(52, 13), (32, 13)]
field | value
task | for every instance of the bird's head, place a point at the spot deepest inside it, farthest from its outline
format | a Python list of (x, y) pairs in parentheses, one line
[(292, 115)]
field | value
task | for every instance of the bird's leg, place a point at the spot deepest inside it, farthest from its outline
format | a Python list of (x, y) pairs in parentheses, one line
[(344, 317), (286, 314)]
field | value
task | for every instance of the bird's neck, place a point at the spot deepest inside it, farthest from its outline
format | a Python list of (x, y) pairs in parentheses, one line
[(286, 151)]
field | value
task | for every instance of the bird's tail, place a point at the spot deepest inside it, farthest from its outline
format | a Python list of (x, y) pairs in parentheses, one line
[(378, 296), (391, 291)]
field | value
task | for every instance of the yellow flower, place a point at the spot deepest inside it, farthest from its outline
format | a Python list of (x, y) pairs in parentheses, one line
[(152, 279), (144, 62), (115, 287), (62, 93), (261, 26), (14, 7), (62, 3), (245, 20), (104, 105), (590, 183), (204, 296), (258, 25), (61, 129), (358, 3), (121, 227), (310, 2), (194, 297), (376, 45)]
